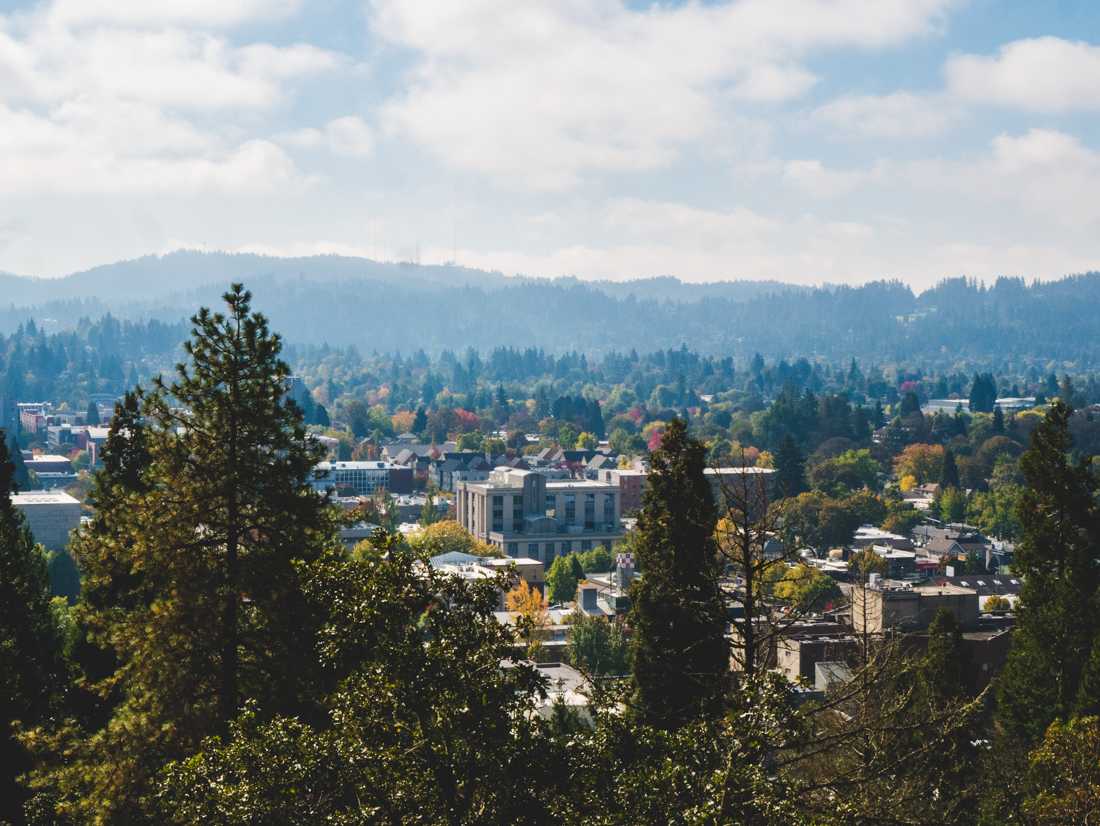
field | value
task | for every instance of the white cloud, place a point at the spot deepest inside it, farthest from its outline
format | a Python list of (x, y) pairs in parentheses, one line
[(78, 149), (820, 181), (348, 136), (541, 94), (896, 115), (1043, 74), (214, 13), (170, 67)]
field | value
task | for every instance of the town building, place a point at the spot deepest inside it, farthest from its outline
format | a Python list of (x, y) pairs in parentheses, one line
[(524, 514), (881, 605), (362, 478), (51, 516)]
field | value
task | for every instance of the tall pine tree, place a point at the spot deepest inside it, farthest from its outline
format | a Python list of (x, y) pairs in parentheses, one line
[(680, 655), (790, 467), (1059, 610), (197, 566)]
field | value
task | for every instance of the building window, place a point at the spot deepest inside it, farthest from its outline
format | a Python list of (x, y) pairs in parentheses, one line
[(586, 545), (517, 514), (570, 508), (533, 550), (513, 549), (498, 513), (548, 556), (589, 511), (609, 508)]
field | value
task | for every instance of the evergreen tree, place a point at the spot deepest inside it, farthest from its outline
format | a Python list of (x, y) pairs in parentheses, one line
[(983, 393), (909, 404), (790, 468), (998, 421), (680, 655), (949, 475), (420, 421), (942, 673), (197, 567), (91, 416), (1059, 610), (21, 475), (32, 667)]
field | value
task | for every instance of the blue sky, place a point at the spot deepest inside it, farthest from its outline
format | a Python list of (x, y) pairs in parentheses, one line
[(803, 140)]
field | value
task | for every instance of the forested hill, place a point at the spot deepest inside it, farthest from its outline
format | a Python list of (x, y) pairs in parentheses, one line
[(387, 307)]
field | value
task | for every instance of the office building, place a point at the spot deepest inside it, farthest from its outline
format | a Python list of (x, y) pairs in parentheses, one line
[(524, 514), (362, 478), (51, 516)]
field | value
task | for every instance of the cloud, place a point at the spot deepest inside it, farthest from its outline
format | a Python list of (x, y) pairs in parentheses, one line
[(169, 67), (820, 181), (540, 95), (896, 115), (1043, 74), (211, 13), (348, 136), (97, 149)]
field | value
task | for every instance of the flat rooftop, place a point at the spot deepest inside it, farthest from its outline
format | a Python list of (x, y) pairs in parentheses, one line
[(43, 497)]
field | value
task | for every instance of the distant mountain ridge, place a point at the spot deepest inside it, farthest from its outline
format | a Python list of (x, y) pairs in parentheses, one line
[(383, 306)]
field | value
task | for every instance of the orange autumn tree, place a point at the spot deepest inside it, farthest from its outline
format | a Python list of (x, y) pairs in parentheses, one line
[(533, 618)]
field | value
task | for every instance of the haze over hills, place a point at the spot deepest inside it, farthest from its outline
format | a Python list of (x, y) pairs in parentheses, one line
[(399, 306)]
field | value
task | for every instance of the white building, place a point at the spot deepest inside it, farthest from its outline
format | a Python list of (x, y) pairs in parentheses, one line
[(51, 516)]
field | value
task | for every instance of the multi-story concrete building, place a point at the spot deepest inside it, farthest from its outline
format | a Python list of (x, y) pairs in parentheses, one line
[(51, 516), (524, 514), (362, 478)]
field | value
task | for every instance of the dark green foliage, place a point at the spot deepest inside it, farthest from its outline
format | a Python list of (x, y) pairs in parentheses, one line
[(1059, 610), (194, 566), (949, 476), (424, 726), (680, 655), (942, 670), (32, 668), (790, 466), (91, 417), (983, 393), (597, 646)]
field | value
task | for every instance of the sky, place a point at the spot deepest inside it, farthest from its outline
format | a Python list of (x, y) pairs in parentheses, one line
[(808, 141)]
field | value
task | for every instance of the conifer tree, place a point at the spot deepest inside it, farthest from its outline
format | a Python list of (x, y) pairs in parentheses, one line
[(680, 654), (32, 667), (949, 475), (197, 566), (790, 468), (1058, 612)]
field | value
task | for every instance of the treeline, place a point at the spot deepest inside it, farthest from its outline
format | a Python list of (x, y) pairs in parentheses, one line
[(104, 356), (354, 302)]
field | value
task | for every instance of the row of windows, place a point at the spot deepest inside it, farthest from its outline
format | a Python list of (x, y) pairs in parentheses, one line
[(549, 550)]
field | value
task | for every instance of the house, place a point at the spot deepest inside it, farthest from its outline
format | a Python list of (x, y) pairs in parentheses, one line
[(600, 462), (953, 542), (458, 466)]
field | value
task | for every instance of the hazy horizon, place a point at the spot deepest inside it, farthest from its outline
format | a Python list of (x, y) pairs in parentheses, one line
[(806, 142)]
